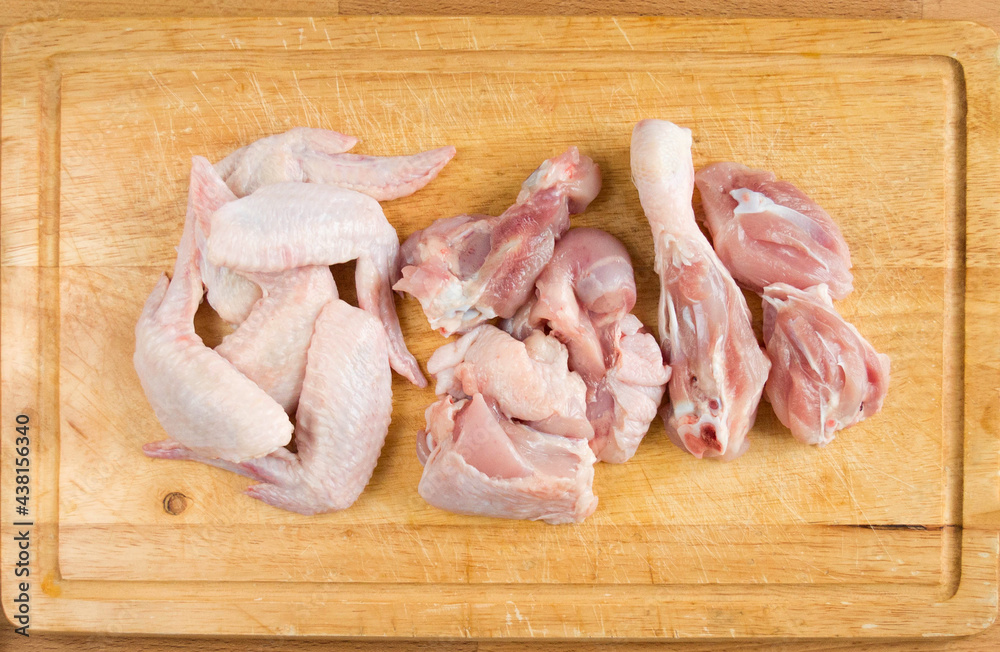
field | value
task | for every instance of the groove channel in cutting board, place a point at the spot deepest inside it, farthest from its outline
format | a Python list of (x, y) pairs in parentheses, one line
[(876, 133)]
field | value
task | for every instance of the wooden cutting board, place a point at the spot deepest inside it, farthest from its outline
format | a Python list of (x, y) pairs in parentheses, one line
[(890, 531)]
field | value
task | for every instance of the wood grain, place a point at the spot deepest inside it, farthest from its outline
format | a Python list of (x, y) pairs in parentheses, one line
[(93, 643), (710, 8), (120, 131)]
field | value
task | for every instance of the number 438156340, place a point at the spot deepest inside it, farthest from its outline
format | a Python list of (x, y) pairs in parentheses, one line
[(22, 465)]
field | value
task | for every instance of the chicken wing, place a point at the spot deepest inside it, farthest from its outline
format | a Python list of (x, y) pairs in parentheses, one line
[(200, 399), (288, 225), (468, 269), (341, 423), (318, 156), (270, 346), (718, 369), (231, 294)]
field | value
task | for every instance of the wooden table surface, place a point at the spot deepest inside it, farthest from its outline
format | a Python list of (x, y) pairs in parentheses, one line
[(983, 11)]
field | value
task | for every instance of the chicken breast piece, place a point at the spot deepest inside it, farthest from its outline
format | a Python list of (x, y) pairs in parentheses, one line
[(718, 369), (231, 294), (318, 156), (824, 375), (200, 399), (478, 462), (768, 231), (341, 423), (529, 381), (270, 346), (288, 225), (468, 269), (583, 296)]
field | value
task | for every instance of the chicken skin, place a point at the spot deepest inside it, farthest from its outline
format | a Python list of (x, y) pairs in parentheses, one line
[(718, 369)]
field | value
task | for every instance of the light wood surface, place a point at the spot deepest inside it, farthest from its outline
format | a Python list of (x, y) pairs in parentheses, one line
[(95, 266)]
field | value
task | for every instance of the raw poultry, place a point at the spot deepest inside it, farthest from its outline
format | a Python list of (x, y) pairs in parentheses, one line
[(299, 348), (468, 269), (718, 369), (768, 231), (290, 224), (320, 156), (584, 297), (485, 464), (778, 242), (529, 381), (340, 426), (508, 435), (307, 155), (824, 375), (521, 414), (202, 401)]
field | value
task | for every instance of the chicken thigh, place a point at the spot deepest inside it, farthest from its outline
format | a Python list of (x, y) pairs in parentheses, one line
[(200, 399), (468, 269), (768, 231), (824, 375), (718, 369), (288, 225)]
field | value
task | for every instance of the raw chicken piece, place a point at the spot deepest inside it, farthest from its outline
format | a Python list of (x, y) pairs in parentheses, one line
[(636, 381), (200, 399), (317, 156), (584, 296), (509, 435), (231, 294), (468, 269), (288, 225), (341, 423), (270, 346), (718, 369), (824, 375), (768, 231), (479, 462), (528, 381)]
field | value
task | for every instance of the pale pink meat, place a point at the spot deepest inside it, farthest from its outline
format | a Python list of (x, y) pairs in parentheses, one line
[(468, 269), (583, 296), (529, 381), (508, 435), (768, 231), (231, 294), (270, 346), (479, 462), (824, 375), (318, 156), (287, 225), (341, 423), (637, 381), (200, 399), (718, 369)]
